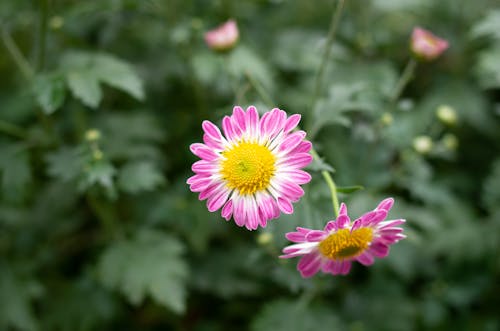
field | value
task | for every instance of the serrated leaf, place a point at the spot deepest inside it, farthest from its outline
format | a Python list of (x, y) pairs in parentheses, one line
[(119, 74), (85, 71), (100, 173), (349, 189), (85, 86), (284, 315), (342, 99), (49, 91), (66, 163), (150, 264), (139, 176)]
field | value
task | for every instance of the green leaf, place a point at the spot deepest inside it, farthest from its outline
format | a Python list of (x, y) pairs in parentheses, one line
[(491, 188), (320, 165), (85, 86), (138, 141), (79, 305), (489, 26), (15, 300), (16, 172), (243, 60), (66, 163), (49, 91), (99, 173), (488, 68), (139, 176), (349, 189), (119, 75), (359, 93), (284, 315), (150, 264), (85, 71)]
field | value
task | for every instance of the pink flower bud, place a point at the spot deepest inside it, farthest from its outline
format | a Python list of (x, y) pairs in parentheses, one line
[(427, 46), (224, 37)]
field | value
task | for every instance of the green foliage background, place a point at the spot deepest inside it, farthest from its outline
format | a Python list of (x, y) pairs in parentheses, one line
[(103, 234)]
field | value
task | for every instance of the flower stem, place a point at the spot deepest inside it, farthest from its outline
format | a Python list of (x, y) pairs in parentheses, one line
[(331, 185), (12, 130), (259, 89), (42, 34), (337, 13), (405, 78), (327, 50), (17, 55)]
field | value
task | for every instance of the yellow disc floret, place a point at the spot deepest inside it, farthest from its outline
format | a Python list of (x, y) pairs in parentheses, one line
[(248, 167), (344, 244)]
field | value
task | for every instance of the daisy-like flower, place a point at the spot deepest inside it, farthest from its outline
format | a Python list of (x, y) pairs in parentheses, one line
[(223, 37), (427, 46), (333, 249), (253, 171)]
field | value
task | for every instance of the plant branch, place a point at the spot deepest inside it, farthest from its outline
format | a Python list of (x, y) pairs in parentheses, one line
[(405, 78), (331, 185), (327, 50), (259, 89), (12, 130), (17, 55)]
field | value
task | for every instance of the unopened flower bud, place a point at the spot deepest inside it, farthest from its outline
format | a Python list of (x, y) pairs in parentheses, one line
[(97, 155), (92, 135), (264, 238), (422, 144), (426, 46), (446, 114), (224, 37), (386, 119), (56, 22), (450, 141)]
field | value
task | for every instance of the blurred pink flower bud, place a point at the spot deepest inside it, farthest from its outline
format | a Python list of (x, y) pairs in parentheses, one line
[(224, 37), (427, 46)]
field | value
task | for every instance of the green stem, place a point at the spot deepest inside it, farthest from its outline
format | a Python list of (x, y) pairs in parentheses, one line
[(42, 34), (17, 55), (259, 89), (12, 130), (327, 50), (105, 215), (331, 185), (405, 78)]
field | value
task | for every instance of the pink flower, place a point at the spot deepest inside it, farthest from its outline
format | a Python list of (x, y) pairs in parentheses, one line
[(427, 46), (332, 249), (224, 37), (253, 170)]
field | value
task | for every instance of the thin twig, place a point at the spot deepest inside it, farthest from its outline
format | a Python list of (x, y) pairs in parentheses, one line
[(259, 89), (327, 51), (42, 34), (17, 55), (405, 78), (331, 185), (12, 130)]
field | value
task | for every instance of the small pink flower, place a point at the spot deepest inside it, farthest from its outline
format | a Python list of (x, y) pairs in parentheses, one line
[(332, 249), (427, 46), (253, 170), (224, 37)]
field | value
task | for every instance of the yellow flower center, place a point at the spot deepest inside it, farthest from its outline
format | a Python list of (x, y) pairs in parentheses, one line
[(248, 167), (344, 244)]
